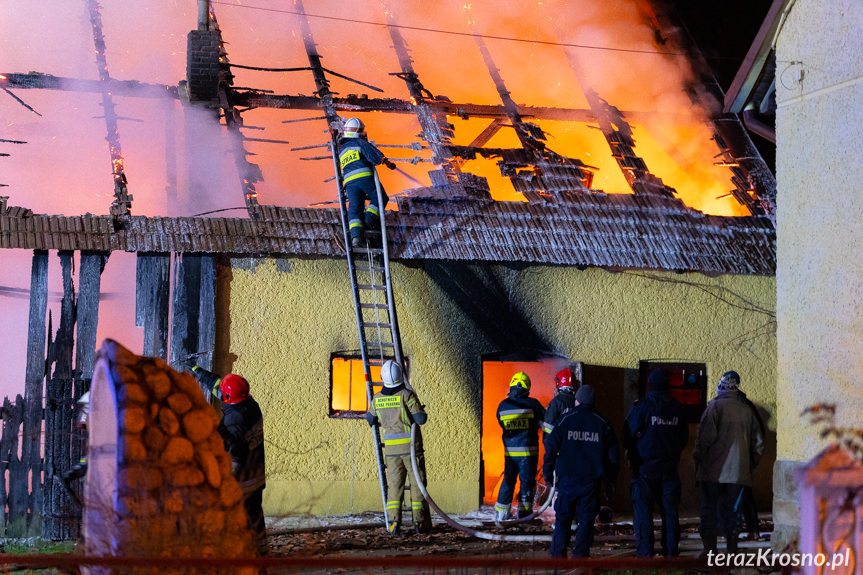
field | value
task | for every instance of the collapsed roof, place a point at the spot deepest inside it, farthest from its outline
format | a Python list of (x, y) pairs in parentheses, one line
[(565, 219)]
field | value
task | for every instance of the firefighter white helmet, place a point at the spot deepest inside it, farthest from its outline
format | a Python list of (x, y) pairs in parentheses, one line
[(391, 373), (354, 128)]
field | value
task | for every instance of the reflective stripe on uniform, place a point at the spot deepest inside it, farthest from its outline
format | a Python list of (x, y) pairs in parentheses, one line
[(358, 175), (397, 439), (372, 210), (417, 504), (501, 507), (516, 414), (547, 427), (520, 451), (355, 224), (394, 504)]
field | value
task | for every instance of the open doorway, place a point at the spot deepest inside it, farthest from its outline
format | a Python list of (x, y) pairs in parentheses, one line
[(497, 370)]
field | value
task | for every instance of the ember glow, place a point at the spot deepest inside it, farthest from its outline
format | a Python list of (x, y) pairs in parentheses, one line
[(532, 46)]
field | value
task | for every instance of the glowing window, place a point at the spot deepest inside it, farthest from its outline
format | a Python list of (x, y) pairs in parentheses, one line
[(348, 399)]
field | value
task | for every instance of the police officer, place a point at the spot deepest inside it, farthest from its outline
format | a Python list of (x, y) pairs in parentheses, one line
[(582, 451), (396, 407), (563, 400), (655, 433), (519, 415), (242, 431), (358, 158)]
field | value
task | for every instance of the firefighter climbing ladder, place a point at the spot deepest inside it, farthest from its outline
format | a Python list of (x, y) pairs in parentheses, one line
[(371, 285), (379, 337)]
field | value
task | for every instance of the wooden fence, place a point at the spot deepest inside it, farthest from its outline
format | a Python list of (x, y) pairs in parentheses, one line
[(38, 438)]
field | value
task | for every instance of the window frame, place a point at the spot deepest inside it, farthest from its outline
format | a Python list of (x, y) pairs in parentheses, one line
[(376, 386)]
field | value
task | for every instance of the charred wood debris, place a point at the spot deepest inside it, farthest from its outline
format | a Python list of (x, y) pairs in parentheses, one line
[(535, 170)]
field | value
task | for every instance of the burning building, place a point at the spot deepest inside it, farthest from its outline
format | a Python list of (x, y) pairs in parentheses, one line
[(581, 228)]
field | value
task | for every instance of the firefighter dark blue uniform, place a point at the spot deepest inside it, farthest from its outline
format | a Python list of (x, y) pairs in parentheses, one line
[(358, 159), (519, 415), (582, 451), (655, 434), (563, 400)]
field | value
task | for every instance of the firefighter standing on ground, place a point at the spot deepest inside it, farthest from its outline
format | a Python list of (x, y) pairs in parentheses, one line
[(654, 435), (582, 451), (396, 407), (242, 430), (520, 416), (358, 158), (563, 400)]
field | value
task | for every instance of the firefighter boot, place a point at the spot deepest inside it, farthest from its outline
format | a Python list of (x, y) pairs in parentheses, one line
[(525, 505), (501, 514), (358, 240), (394, 529)]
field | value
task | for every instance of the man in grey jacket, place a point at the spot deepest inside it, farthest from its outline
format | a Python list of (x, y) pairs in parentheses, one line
[(728, 446)]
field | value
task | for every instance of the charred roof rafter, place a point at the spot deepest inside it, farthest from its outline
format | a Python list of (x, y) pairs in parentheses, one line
[(122, 204), (436, 129), (537, 171), (618, 134)]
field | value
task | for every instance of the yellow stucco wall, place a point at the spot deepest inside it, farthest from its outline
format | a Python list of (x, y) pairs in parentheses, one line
[(819, 90), (279, 323)]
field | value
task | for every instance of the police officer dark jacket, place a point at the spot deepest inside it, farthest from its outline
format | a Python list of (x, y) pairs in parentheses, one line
[(520, 417), (581, 447), (655, 433)]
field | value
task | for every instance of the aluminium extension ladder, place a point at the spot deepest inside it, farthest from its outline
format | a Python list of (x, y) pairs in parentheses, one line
[(371, 284)]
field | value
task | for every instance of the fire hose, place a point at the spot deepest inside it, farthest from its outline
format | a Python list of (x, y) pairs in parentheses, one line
[(464, 528)]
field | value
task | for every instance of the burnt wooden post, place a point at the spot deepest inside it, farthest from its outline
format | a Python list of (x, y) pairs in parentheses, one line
[(31, 454), (207, 314), (87, 315), (16, 519), (186, 308), (58, 413), (151, 302)]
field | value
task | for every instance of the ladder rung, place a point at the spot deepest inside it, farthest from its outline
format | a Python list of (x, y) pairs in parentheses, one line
[(367, 250), (374, 306), (379, 344), (373, 232), (370, 286), (375, 361), (366, 268), (368, 325)]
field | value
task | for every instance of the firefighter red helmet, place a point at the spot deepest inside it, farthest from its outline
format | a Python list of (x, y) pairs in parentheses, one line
[(234, 388), (563, 378)]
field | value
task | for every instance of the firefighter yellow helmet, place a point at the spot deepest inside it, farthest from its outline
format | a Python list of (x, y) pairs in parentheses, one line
[(522, 379), (391, 373), (354, 128)]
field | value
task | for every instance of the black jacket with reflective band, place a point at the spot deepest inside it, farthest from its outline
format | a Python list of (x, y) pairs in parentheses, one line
[(520, 416)]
